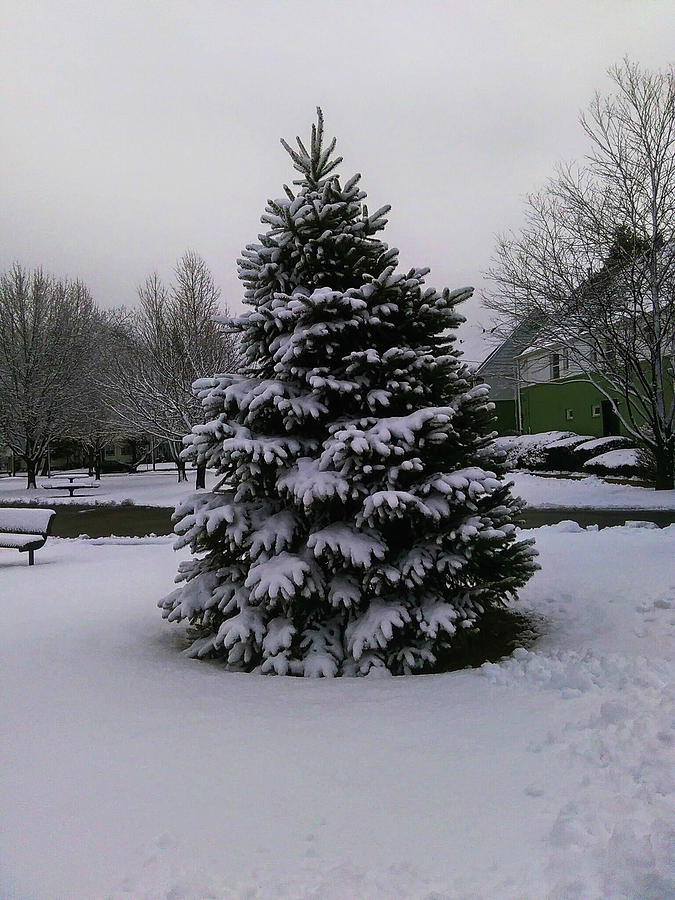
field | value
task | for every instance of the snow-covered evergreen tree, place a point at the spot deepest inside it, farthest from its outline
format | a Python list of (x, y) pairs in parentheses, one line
[(354, 527)]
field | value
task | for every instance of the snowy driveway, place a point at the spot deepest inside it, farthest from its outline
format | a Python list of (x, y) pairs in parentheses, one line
[(130, 771)]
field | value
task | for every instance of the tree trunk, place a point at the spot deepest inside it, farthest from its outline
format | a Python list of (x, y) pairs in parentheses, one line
[(665, 468), (133, 465), (90, 462), (31, 471), (201, 476), (175, 448), (45, 467), (97, 465)]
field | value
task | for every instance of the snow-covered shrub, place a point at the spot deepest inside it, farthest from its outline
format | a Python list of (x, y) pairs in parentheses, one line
[(564, 451), (560, 455), (588, 449), (354, 527), (646, 465), (624, 461), (528, 451)]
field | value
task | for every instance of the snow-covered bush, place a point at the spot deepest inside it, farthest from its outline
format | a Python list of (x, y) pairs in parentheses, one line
[(529, 451), (624, 461), (560, 455), (589, 449), (354, 527), (564, 451), (647, 467)]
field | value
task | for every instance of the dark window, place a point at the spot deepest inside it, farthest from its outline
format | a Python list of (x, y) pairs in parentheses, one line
[(555, 365), (611, 424)]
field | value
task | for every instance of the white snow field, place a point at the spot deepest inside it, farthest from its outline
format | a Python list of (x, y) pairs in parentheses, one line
[(161, 489), (587, 491), (128, 770)]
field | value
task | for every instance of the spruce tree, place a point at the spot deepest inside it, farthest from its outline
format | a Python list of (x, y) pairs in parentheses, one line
[(354, 527)]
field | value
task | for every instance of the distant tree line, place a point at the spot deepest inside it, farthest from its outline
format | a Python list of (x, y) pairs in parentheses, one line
[(70, 370)]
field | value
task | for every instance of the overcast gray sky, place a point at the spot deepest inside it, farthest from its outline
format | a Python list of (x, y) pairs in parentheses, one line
[(134, 130)]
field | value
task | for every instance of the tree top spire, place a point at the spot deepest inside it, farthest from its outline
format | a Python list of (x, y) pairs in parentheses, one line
[(317, 163)]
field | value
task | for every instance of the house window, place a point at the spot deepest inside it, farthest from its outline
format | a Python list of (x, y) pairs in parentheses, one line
[(566, 360), (554, 361), (110, 451), (596, 410), (569, 414)]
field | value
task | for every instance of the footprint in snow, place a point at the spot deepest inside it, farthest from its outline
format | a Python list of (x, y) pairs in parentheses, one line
[(533, 790)]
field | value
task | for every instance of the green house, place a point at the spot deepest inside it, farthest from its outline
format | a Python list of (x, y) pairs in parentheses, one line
[(537, 387), (556, 396)]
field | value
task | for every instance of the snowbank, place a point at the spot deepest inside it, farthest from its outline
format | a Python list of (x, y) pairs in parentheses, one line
[(128, 770)]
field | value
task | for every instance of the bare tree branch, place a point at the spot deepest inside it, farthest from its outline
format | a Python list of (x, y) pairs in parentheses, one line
[(595, 262), (170, 342)]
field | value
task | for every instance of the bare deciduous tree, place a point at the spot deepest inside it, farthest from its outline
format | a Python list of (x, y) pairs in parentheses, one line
[(45, 337), (171, 341), (595, 263), (96, 426)]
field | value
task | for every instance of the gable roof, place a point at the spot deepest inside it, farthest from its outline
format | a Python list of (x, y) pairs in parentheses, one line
[(499, 370)]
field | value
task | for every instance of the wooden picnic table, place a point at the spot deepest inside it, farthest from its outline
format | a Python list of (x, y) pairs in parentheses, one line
[(74, 477), (74, 483)]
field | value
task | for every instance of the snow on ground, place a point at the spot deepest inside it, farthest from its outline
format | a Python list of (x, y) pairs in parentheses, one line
[(130, 771), (590, 492), (150, 488), (161, 489)]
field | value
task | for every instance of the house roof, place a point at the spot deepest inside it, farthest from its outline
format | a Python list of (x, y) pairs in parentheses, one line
[(499, 369)]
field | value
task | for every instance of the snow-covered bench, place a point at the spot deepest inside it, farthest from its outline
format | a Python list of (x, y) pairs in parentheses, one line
[(25, 530)]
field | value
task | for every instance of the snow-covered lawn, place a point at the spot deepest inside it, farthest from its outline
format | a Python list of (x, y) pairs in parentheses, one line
[(130, 771), (159, 488), (587, 491)]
